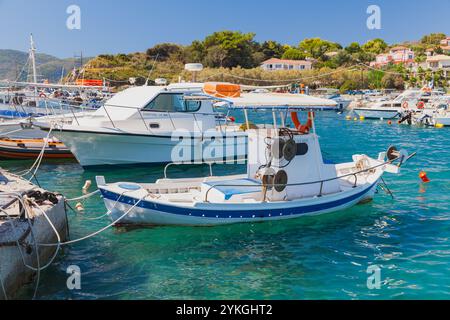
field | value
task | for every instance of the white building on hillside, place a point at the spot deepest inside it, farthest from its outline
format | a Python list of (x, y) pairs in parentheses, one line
[(440, 61), (275, 64), (396, 55)]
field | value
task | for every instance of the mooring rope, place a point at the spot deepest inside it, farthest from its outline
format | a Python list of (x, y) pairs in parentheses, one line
[(98, 231), (84, 196)]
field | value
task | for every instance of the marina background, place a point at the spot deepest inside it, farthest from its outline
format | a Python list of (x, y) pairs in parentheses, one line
[(310, 258)]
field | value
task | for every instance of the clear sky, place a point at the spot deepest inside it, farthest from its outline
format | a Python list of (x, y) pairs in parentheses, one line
[(119, 26)]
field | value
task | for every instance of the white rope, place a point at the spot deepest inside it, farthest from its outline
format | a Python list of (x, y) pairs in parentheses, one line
[(38, 160), (97, 232), (84, 197)]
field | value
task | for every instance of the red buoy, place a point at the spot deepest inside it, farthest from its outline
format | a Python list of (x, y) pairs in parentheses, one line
[(423, 177)]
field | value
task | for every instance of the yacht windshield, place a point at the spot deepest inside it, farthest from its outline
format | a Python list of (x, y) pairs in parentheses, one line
[(408, 95), (172, 102)]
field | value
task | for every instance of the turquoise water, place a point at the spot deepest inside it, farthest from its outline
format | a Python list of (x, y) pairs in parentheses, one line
[(322, 257)]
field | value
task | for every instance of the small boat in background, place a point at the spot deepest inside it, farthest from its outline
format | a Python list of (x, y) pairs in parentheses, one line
[(409, 100), (25, 149), (334, 94)]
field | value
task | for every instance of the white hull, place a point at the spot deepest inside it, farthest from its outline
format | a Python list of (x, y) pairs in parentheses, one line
[(377, 114), (442, 120), (96, 149), (148, 212)]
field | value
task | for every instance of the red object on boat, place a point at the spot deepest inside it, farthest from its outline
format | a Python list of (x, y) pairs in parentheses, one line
[(89, 82), (423, 176)]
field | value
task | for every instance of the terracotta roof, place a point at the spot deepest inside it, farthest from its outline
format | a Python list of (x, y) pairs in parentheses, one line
[(283, 61), (439, 57), (398, 48)]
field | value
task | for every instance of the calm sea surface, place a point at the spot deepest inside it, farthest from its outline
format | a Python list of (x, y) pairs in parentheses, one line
[(322, 257)]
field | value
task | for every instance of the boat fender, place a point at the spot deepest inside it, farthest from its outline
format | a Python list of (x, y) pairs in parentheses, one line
[(280, 181), (79, 207), (86, 186), (423, 176)]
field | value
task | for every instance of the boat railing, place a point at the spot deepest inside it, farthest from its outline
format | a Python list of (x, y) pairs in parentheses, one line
[(50, 107), (209, 163), (169, 114), (322, 182)]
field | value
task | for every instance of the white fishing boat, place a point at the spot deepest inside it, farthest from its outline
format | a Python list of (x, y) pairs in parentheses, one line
[(143, 125), (409, 100), (286, 178)]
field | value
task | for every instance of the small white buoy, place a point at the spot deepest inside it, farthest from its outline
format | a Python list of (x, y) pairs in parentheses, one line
[(79, 207), (86, 186)]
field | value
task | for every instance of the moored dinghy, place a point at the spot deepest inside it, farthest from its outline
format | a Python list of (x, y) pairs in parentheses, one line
[(286, 178)]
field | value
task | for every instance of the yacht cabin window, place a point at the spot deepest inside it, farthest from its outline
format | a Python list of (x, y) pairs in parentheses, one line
[(172, 102)]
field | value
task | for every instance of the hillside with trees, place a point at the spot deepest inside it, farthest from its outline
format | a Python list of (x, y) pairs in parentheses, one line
[(13, 66), (236, 56)]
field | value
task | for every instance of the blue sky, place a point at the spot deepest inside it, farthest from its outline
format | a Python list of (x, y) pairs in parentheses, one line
[(114, 26)]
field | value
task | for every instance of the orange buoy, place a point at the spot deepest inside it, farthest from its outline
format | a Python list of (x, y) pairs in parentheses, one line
[(423, 176), (389, 122)]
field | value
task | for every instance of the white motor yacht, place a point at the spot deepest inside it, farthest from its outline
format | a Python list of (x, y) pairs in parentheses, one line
[(161, 124), (409, 100)]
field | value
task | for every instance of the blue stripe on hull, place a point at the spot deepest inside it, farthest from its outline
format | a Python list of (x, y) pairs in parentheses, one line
[(236, 214)]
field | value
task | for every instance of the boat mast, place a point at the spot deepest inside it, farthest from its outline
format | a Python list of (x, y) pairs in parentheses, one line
[(33, 62)]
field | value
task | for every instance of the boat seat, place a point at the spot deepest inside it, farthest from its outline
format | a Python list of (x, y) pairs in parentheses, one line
[(226, 190)]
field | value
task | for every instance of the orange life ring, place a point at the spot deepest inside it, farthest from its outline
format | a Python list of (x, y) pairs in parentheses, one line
[(303, 129), (42, 95), (405, 105), (421, 105)]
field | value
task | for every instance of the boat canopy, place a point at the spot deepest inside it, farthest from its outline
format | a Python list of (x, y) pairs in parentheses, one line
[(278, 101)]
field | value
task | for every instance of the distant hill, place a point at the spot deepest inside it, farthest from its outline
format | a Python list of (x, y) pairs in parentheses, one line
[(48, 67)]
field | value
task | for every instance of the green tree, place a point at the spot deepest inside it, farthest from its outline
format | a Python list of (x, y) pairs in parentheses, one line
[(294, 54), (433, 38), (353, 48), (238, 47), (165, 50), (215, 57), (272, 49), (375, 46), (196, 52), (342, 58), (316, 47)]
